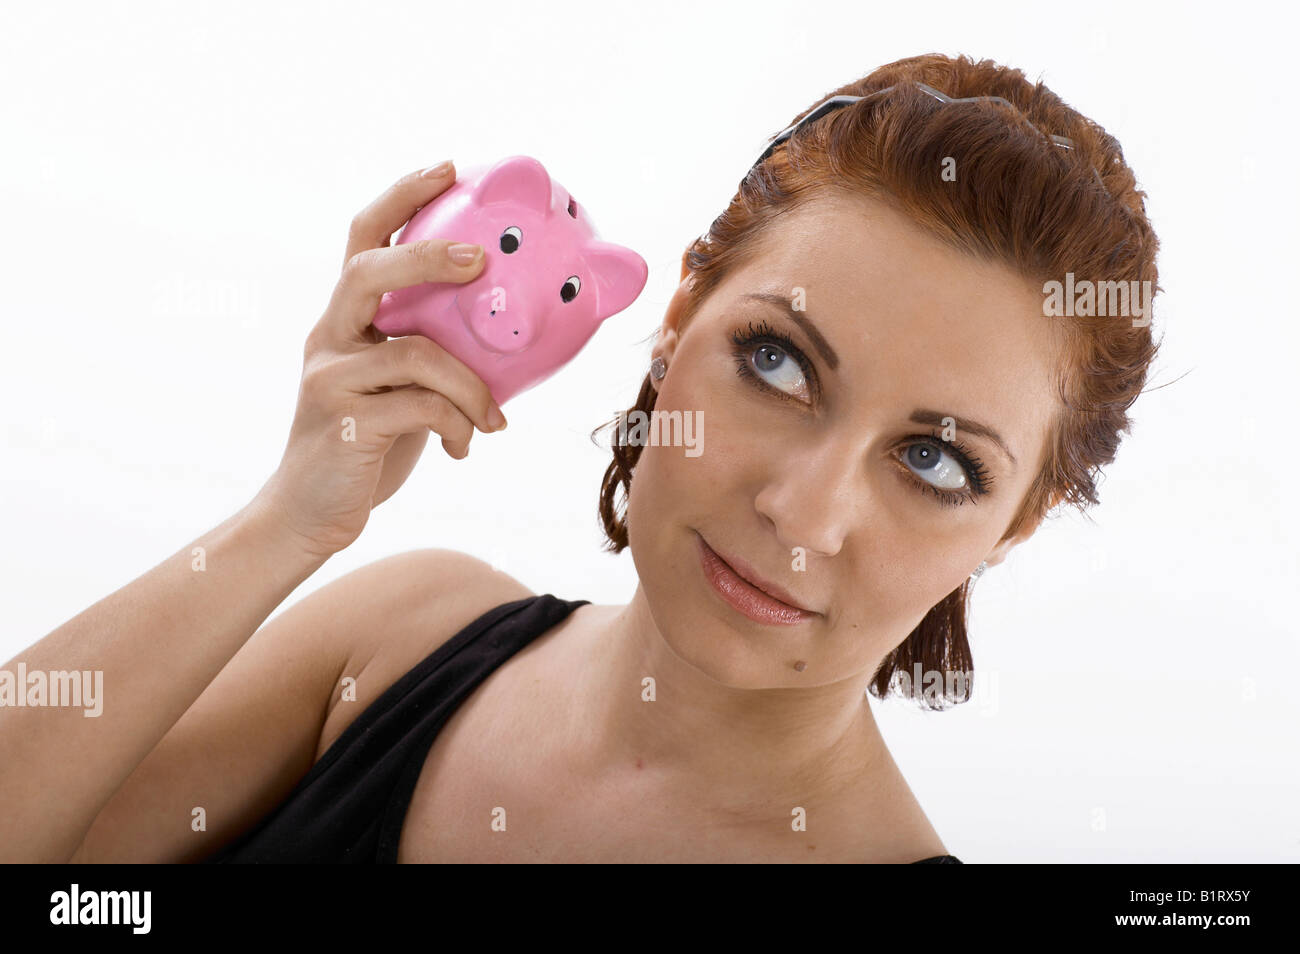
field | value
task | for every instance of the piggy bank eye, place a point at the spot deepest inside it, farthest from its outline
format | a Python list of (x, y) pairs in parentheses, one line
[(569, 290), (573, 207), (510, 239)]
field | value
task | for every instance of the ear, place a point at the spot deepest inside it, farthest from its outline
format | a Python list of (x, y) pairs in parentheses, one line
[(519, 179), (620, 275), (999, 552), (666, 342)]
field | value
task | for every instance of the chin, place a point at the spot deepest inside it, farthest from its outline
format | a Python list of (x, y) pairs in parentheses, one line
[(704, 631)]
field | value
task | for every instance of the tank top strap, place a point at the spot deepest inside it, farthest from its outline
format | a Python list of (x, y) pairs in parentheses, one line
[(350, 805)]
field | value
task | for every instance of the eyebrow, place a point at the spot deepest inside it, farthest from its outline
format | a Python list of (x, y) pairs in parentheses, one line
[(803, 321), (937, 419)]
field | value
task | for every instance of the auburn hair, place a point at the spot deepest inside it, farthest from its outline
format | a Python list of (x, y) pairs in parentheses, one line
[(1017, 198)]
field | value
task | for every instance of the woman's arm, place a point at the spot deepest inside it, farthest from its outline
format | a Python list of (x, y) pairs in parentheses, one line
[(159, 641), (366, 406), (279, 704)]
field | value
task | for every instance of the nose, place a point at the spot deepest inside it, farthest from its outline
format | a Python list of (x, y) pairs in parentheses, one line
[(501, 321), (493, 313), (812, 498)]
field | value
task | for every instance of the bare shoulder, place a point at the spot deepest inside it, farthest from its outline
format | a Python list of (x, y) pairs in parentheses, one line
[(414, 602)]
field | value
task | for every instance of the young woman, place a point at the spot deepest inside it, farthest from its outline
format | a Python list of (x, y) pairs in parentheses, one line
[(890, 405)]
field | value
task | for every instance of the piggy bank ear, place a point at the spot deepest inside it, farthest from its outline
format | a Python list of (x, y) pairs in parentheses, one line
[(520, 180), (619, 273)]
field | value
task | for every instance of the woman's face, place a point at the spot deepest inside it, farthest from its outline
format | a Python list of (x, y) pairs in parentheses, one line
[(821, 462)]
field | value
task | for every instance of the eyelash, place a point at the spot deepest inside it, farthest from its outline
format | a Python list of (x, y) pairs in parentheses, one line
[(763, 333), (977, 475)]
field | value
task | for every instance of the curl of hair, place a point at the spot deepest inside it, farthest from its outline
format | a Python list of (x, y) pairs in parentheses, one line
[(1017, 199)]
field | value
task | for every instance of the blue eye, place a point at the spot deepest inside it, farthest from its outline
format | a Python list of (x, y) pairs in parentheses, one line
[(774, 361), (933, 465), (947, 470), (779, 370)]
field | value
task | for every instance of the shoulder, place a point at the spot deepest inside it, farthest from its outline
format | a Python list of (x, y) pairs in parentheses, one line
[(419, 593), (404, 607)]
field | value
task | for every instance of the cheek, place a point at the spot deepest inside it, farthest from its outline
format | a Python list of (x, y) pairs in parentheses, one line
[(677, 486), (903, 567), (900, 573), (735, 434), (674, 483)]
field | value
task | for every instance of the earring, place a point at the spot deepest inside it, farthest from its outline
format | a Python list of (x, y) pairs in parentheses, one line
[(979, 570), (658, 369)]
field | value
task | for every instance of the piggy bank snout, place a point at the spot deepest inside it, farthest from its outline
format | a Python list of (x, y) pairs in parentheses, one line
[(500, 321)]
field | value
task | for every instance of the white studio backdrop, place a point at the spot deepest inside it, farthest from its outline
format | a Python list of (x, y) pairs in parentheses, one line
[(176, 188)]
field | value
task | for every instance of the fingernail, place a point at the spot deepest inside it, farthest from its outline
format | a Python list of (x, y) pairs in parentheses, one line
[(496, 418), (463, 254), (433, 172)]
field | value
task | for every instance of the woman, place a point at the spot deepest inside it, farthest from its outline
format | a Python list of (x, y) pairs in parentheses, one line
[(889, 403)]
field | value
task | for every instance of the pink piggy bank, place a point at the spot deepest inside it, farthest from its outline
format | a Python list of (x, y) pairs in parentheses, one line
[(547, 283)]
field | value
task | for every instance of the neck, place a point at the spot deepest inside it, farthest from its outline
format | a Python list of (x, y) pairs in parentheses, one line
[(728, 745)]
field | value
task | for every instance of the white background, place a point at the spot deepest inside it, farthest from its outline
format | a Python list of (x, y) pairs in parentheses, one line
[(176, 183)]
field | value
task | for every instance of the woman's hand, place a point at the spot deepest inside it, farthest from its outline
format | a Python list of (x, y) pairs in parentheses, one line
[(367, 403)]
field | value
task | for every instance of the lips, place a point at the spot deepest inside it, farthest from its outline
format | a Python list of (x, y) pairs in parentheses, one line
[(748, 593)]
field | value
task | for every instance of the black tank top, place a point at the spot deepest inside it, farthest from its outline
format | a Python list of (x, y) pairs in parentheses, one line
[(350, 806)]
